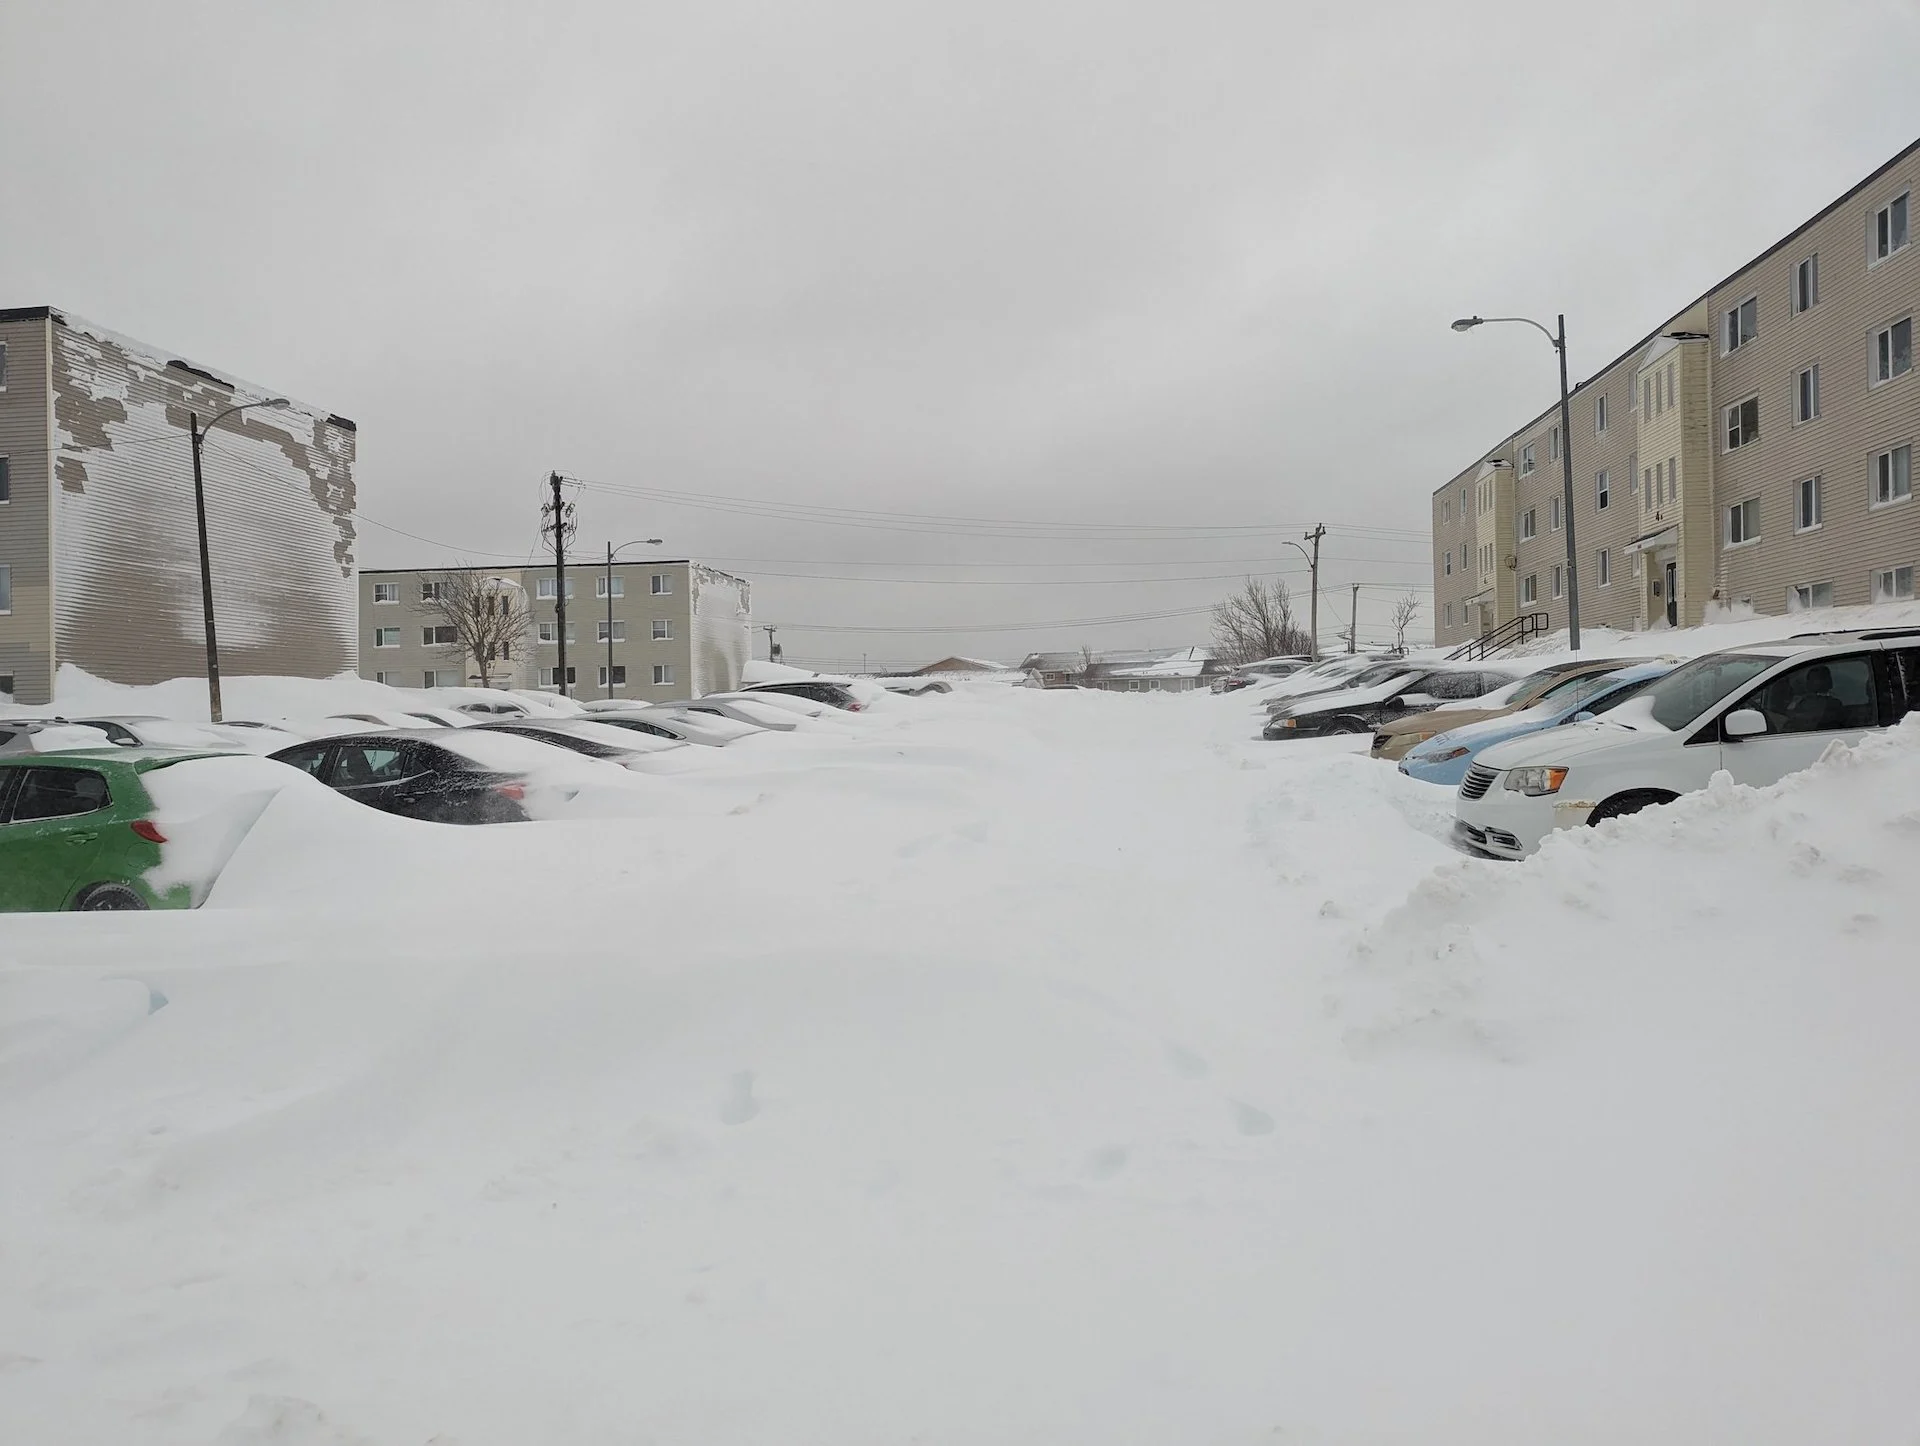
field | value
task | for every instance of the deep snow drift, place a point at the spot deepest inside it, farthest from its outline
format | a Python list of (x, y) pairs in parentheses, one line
[(997, 1067)]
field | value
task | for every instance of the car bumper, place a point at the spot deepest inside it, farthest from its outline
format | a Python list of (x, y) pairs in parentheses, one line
[(1304, 729), (1511, 825), (1394, 746)]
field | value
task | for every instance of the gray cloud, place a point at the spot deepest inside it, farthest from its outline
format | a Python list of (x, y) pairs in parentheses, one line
[(1087, 263)]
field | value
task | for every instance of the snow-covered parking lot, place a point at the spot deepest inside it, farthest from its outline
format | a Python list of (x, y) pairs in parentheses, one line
[(1010, 1067)]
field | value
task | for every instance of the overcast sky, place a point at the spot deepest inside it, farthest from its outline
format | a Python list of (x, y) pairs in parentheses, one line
[(1174, 278)]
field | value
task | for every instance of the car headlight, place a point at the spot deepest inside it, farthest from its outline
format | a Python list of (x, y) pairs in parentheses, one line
[(1448, 756), (1536, 781)]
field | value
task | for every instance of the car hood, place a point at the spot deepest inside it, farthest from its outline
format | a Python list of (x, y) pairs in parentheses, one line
[(1450, 719), (1338, 699), (1569, 744)]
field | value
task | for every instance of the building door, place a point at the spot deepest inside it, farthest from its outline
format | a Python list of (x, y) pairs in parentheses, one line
[(1673, 600)]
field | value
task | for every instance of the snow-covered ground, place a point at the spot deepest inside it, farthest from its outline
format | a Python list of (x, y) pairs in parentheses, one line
[(994, 1067)]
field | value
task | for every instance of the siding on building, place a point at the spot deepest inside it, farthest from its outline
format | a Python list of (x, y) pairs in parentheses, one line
[(1856, 422), (26, 632)]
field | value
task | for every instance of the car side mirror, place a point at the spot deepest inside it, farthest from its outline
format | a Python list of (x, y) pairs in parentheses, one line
[(1584, 717), (1745, 723), (1395, 705)]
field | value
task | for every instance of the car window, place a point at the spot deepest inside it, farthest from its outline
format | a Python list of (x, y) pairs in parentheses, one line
[(307, 760), (1688, 691), (358, 765), (1904, 666), (1824, 696), (1607, 701), (59, 793), (1449, 685)]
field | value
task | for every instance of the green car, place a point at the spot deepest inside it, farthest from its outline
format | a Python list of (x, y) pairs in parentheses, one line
[(76, 830)]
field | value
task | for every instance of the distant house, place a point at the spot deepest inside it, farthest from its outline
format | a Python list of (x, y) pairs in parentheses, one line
[(1147, 670), (962, 665)]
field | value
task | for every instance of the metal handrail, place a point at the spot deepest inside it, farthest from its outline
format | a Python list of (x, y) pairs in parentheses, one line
[(1512, 633)]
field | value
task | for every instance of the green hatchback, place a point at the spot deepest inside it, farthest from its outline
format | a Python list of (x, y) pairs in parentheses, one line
[(76, 830)]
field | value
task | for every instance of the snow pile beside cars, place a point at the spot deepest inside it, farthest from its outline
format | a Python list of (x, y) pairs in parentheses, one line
[(1016, 1067)]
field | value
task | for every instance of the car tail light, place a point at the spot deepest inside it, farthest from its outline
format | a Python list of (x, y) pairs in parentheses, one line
[(147, 830), (514, 791), (854, 707)]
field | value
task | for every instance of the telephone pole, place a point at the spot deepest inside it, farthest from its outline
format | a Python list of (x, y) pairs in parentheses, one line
[(556, 518), (773, 648), (1353, 621), (1313, 612)]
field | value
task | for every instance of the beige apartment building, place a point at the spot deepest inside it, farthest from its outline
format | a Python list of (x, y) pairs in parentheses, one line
[(678, 629), (1755, 449)]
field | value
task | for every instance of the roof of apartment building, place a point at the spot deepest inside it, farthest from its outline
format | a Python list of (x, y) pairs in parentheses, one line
[(1852, 192), (160, 361)]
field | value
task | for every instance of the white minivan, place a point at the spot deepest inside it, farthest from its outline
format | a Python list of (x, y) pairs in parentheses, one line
[(1758, 712)]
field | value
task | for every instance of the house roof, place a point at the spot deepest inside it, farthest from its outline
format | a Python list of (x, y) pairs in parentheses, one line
[(958, 664)]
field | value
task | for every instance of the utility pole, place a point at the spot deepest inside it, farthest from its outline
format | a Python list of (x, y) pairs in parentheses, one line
[(608, 690), (1566, 476), (1313, 612), (557, 517), (773, 648), (1353, 621), (206, 573)]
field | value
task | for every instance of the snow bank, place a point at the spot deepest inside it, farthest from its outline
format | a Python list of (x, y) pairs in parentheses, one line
[(1016, 1067)]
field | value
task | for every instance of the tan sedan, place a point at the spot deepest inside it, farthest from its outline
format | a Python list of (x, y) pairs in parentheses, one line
[(1393, 741)]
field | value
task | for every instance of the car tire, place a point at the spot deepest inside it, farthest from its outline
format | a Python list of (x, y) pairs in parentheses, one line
[(1622, 804), (101, 897), (1350, 725)]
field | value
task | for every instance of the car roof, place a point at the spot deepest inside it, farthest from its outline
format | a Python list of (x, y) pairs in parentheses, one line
[(141, 760)]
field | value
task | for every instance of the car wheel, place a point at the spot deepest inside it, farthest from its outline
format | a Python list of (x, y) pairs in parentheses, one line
[(109, 896), (1620, 805), (1350, 725)]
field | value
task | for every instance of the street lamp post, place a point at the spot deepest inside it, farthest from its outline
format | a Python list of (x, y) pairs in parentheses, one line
[(1313, 598), (613, 552), (198, 435), (1559, 341)]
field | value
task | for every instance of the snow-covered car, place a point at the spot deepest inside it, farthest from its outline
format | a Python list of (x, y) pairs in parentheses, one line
[(1402, 689), (749, 711), (142, 730), (1321, 677), (1395, 738), (624, 746), (704, 728), (1445, 757), (46, 735), (1758, 712)]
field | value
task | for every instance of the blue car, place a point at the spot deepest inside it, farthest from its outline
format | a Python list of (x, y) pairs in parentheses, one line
[(1444, 757)]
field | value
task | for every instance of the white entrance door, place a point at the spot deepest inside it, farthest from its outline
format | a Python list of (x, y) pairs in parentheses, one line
[(1807, 709)]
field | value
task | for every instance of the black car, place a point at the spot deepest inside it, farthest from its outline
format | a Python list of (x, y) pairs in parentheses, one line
[(428, 773), (1407, 688), (834, 695)]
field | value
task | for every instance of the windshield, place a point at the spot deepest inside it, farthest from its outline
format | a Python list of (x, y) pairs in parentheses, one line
[(1688, 691), (1567, 690), (1378, 673)]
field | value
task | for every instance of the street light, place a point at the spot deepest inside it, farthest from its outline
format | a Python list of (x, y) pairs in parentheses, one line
[(1559, 343), (1313, 605), (612, 552), (198, 434)]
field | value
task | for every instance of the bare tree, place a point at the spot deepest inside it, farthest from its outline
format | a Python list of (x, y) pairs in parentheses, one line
[(488, 616), (1404, 612), (1257, 622)]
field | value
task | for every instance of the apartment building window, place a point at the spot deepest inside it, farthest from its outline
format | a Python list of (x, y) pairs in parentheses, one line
[(662, 584), (609, 587), (1889, 231), (1602, 492), (1809, 595), (1446, 564), (1806, 394), (3, 370), (1463, 557), (386, 637), (1449, 624), (1673, 478), (443, 678), (1743, 522), (545, 590), (662, 674), (1648, 499), (1893, 584), (1600, 414), (1530, 588), (1893, 476), (1559, 580), (663, 627), (1526, 525), (6, 480), (550, 632), (1743, 423), (1893, 351), (1526, 459), (6, 588), (619, 675), (1603, 567), (1646, 399), (550, 677), (1807, 511), (499, 652), (392, 680), (1553, 445), (386, 592), (1553, 514), (1669, 376), (429, 592), (1742, 324), (619, 630), (1806, 284), (439, 635)]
